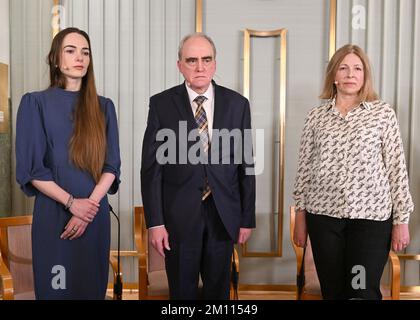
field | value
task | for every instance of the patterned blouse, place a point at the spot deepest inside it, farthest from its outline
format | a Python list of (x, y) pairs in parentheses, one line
[(353, 166)]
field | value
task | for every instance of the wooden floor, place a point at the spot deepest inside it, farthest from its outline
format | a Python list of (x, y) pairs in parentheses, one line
[(248, 295), (263, 295)]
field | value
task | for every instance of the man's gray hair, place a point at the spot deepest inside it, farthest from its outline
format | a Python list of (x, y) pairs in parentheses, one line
[(195, 35)]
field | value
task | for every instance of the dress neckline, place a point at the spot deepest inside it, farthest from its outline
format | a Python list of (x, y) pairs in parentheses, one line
[(66, 92)]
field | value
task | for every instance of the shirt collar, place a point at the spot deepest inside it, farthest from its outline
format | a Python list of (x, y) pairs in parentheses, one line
[(365, 104), (192, 94)]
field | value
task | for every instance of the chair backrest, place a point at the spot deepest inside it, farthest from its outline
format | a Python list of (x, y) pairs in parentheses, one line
[(152, 274), (311, 286), (410, 267), (155, 261), (16, 251)]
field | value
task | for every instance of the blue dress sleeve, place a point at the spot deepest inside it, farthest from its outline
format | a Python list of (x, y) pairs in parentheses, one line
[(31, 145), (112, 160)]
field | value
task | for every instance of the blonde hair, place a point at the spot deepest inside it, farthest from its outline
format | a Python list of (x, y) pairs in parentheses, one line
[(367, 92)]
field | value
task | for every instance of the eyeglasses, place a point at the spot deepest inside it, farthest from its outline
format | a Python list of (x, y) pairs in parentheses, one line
[(193, 62)]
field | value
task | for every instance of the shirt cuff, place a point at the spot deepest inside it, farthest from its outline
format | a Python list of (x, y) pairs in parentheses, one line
[(154, 227), (401, 218)]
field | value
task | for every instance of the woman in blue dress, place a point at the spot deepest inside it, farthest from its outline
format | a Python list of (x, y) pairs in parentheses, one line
[(67, 156)]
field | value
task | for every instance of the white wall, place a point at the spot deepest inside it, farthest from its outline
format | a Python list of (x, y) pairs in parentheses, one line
[(5, 137), (134, 46), (307, 44), (4, 31), (392, 42)]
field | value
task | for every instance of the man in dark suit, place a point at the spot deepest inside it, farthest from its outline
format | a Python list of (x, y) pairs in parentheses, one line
[(196, 210)]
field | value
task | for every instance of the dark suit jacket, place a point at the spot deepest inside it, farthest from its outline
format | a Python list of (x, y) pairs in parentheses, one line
[(172, 192)]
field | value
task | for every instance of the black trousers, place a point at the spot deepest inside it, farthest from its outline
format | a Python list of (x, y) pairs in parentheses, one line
[(349, 255), (206, 251)]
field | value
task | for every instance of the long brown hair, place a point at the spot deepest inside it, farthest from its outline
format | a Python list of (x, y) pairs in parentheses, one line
[(88, 141), (367, 92)]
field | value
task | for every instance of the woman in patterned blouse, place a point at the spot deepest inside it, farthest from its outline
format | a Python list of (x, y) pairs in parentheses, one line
[(351, 191)]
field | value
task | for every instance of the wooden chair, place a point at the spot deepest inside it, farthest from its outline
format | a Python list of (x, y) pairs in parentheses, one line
[(404, 260), (311, 289), (152, 279), (16, 275)]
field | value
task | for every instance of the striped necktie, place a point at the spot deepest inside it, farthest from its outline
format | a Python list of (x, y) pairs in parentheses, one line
[(203, 130)]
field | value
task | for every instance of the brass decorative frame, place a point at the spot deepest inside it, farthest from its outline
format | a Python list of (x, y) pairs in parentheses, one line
[(282, 116), (198, 15), (4, 97), (333, 28)]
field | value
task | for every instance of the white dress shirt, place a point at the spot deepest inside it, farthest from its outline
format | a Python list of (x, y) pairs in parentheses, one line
[(208, 105)]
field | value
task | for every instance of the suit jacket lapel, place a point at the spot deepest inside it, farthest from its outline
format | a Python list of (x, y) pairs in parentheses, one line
[(221, 104), (182, 102), (220, 107)]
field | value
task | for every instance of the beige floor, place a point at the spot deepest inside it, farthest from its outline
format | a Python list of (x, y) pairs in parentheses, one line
[(248, 295), (265, 295)]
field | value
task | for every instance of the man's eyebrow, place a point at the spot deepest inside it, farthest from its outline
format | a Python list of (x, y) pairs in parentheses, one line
[(206, 57)]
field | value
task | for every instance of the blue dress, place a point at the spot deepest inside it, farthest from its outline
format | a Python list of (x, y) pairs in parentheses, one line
[(63, 269)]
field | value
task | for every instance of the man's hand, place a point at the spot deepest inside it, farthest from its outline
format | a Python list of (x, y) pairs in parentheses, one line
[(400, 237), (244, 234), (159, 238)]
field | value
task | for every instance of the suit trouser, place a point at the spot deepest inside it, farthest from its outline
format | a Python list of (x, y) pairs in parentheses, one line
[(349, 255), (205, 251)]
